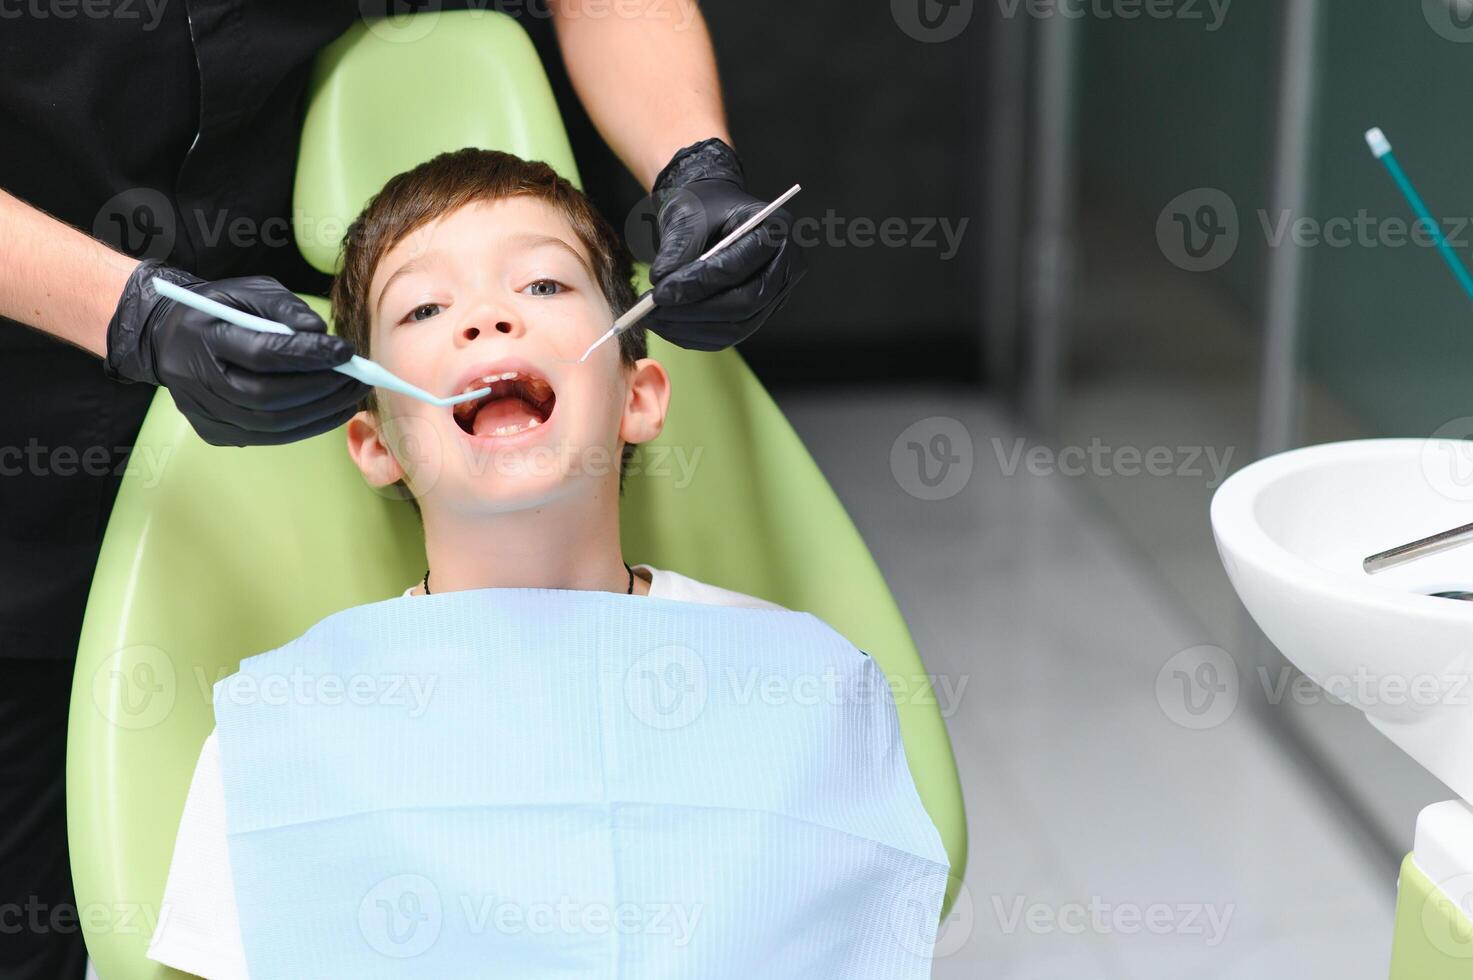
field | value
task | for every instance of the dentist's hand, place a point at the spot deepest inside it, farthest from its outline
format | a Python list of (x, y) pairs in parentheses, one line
[(700, 198), (237, 386)]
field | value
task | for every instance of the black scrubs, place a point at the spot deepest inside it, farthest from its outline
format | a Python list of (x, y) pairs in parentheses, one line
[(168, 128)]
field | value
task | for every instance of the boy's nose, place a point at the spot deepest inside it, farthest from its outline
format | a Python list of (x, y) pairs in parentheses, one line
[(497, 322)]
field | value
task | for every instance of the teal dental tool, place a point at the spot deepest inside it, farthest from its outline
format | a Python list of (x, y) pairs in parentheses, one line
[(369, 372), (1381, 148), (646, 302)]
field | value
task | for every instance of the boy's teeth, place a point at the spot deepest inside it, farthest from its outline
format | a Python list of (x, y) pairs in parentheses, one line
[(511, 430)]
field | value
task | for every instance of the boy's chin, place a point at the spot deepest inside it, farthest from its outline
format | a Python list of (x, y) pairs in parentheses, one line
[(498, 493)]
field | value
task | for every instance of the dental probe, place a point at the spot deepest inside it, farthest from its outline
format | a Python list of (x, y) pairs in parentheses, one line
[(646, 302), (369, 372)]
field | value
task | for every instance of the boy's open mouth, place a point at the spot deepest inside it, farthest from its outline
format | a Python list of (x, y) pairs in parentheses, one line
[(517, 401)]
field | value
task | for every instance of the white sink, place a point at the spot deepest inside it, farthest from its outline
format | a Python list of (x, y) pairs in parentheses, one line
[(1292, 530)]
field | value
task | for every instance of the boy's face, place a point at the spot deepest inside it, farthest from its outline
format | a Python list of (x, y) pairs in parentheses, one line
[(500, 293)]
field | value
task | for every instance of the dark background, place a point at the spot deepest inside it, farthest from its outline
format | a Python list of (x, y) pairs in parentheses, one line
[(874, 124)]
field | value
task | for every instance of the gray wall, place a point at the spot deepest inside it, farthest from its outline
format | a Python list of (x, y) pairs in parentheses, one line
[(1386, 329)]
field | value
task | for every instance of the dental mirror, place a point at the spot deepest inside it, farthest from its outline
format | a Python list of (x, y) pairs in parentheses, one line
[(369, 372)]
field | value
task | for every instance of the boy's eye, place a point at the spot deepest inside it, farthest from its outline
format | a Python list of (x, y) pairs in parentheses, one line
[(423, 312), (544, 287)]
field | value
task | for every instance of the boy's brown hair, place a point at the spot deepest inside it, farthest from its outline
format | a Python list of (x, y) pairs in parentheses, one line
[(448, 182), (451, 181)]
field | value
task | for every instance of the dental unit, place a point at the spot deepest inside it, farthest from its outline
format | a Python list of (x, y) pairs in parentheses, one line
[(1461, 535), (1375, 632)]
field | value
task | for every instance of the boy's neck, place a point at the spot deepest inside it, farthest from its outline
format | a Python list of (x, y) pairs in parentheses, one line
[(569, 544)]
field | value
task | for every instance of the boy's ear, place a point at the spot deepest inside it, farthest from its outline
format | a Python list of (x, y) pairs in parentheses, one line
[(369, 447), (649, 397)]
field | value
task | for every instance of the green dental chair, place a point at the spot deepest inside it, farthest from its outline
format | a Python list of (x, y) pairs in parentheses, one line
[(195, 573)]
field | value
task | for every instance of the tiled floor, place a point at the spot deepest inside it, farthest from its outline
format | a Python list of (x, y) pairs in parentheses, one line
[(1160, 357), (1107, 840)]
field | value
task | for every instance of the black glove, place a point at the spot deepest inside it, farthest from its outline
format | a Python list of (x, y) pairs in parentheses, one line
[(237, 386), (713, 304)]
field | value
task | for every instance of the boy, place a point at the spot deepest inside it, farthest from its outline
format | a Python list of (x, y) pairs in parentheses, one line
[(475, 269)]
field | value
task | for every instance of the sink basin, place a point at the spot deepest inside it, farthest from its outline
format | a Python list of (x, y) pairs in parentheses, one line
[(1292, 530)]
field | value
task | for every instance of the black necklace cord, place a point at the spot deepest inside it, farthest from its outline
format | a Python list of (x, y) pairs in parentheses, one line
[(628, 591)]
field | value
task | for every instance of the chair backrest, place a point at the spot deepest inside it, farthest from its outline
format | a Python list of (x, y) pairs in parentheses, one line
[(214, 554)]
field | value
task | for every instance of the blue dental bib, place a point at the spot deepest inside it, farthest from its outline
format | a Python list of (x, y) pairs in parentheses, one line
[(534, 783)]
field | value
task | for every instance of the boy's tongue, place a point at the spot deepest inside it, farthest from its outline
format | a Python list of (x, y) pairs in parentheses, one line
[(499, 413)]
